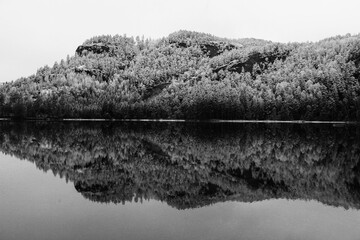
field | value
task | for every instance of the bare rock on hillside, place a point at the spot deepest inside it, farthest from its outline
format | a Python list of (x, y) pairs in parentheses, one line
[(96, 48)]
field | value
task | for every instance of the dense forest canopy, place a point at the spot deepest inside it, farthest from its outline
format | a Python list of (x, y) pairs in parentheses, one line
[(191, 75)]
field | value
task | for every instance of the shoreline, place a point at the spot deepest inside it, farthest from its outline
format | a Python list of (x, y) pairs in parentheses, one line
[(182, 120)]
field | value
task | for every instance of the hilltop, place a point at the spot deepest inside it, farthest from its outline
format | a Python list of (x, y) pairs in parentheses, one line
[(191, 75)]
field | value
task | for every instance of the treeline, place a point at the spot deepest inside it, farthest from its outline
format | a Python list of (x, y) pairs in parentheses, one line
[(192, 75), (193, 165)]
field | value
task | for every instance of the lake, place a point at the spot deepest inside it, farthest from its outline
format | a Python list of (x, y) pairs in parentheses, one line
[(144, 180)]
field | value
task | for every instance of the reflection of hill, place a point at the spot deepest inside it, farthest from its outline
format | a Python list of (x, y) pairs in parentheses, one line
[(192, 165)]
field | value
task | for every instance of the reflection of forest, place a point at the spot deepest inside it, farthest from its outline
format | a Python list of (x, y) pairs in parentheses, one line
[(192, 165)]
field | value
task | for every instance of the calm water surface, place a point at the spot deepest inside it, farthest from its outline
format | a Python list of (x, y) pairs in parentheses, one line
[(179, 181)]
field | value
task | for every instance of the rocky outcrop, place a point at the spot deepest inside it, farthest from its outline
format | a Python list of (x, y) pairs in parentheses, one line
[(263, 60), (93, 72), (96, 48), (211, 48), (88, 71), (155, 90)]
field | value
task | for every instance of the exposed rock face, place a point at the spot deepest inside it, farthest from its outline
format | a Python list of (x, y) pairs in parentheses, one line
[(96, 48), (211, 49), (91, 72), (155, 90), (262, 60), (237, 65)]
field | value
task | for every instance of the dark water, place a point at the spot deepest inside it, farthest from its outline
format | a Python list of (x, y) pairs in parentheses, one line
[(179, 181)]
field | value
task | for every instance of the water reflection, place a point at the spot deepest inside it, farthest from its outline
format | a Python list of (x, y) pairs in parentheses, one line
[(194, 165)]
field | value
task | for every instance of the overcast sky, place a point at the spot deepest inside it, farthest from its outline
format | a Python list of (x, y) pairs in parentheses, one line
[(34, 33)]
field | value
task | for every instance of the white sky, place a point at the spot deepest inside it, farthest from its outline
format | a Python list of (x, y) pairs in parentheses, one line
[(34, 33)]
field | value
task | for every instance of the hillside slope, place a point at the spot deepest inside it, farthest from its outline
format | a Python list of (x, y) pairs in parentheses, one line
[(194, 75)]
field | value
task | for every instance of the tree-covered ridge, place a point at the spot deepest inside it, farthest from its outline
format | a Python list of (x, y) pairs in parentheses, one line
[(193, 75), (193, 165)]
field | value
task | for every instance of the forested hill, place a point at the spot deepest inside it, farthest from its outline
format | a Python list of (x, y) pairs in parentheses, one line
[(194, 75)]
